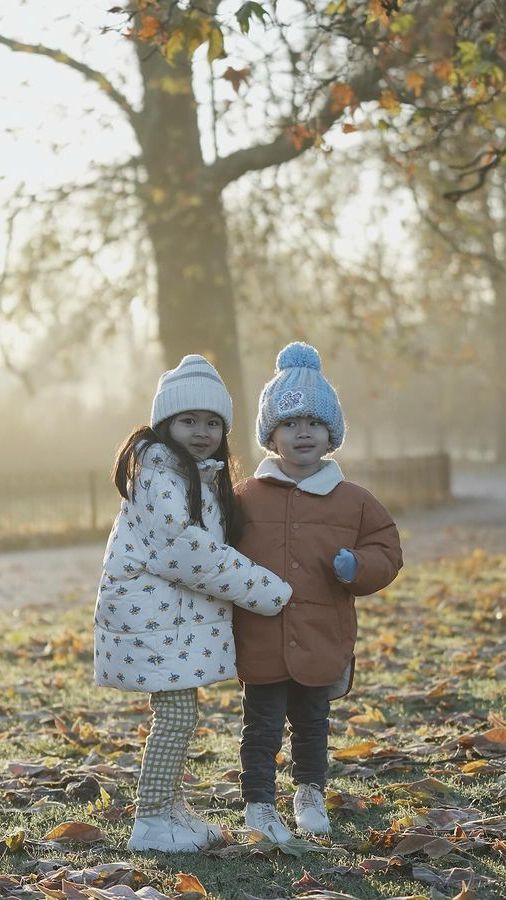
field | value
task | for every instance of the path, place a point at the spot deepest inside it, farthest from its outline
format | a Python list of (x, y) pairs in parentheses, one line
[(476, 517)]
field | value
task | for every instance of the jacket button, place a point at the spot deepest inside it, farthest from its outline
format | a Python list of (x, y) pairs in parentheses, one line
[(292, 643), (297, 493), (295, 565), (295, 525), (292, 606)]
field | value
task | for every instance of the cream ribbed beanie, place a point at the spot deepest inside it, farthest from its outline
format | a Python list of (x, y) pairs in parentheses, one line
[(193, 384)]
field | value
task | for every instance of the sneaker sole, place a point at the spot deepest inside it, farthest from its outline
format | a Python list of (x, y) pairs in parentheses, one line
[(141, 846), (313, 830)]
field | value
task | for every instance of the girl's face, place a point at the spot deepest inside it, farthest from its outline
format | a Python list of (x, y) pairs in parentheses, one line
[(199, 431), (300, 443)]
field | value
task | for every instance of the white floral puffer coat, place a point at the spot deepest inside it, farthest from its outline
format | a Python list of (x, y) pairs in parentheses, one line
[(163, 618)]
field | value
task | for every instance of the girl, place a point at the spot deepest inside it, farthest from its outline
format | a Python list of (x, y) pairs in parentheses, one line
[(163, 619), (335, 540)]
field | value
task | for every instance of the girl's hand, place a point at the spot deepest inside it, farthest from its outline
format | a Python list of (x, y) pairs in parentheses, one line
[(345, 566)]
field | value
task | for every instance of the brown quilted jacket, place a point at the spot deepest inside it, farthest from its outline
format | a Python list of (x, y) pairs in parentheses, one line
[(297, 535)]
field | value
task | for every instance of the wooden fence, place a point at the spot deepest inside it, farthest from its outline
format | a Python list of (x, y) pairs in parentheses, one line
[(406, 483), (42, 508)]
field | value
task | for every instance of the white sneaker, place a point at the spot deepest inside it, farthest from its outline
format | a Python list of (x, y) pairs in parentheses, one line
[(175, 832), (309, 809), (183, 812), (265, 818)]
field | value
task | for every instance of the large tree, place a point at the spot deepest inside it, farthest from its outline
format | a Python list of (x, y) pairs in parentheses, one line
[(292, 72)]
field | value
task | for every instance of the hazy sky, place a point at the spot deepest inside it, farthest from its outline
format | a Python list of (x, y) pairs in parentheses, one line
[(57, 123)]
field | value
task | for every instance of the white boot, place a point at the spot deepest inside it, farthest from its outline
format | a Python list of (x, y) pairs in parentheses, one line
[(265, 818), (176, 831), (309, 809)]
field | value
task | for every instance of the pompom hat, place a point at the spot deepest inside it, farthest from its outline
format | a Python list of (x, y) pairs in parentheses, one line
[(299, 389), (193, 384)]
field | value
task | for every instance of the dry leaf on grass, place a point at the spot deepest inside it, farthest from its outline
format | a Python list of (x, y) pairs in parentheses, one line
[(345, 801), (189, 886), (80, 832)]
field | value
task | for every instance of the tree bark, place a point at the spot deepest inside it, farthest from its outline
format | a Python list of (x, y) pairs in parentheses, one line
[(187, 228)]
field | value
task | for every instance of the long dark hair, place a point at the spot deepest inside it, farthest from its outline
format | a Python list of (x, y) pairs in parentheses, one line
[(129, 458)]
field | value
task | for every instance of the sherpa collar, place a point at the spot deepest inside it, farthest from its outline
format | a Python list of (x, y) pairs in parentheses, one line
[(322, 482)]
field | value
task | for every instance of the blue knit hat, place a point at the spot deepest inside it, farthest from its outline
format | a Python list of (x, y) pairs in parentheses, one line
[(299, 389)]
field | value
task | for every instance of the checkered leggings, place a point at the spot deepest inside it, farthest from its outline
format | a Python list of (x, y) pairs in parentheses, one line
[(175, 716)]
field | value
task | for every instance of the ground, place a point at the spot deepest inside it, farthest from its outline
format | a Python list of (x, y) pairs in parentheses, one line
[(476, 517), (417, 751)]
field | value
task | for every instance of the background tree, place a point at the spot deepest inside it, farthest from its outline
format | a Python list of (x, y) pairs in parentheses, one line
[(291, 73)]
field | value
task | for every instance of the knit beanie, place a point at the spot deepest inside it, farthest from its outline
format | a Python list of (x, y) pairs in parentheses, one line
[(299, 389), (193, 384)]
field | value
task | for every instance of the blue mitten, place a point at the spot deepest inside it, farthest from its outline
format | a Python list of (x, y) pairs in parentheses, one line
[(345, 566)]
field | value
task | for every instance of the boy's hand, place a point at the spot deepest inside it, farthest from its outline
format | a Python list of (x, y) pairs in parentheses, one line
[(345, 566)]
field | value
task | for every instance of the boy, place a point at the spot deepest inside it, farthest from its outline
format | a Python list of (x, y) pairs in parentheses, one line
[(332, 540)]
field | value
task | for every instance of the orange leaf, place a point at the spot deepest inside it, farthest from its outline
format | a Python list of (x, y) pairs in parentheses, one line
[(189, 884), (341, 96), (80, 832), (376, 13), (149, 26), (356, 751), (300, 135), (438, 690), (389, 101), (495, 735), (342, 800), (415, 82), (443, 69), (348, 128)]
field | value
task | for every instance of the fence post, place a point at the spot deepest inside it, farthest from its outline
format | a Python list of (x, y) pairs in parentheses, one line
[(92, 482)]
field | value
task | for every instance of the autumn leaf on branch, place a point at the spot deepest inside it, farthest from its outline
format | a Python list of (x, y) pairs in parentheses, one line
[(236, 77), (248, 11), (341, 96)]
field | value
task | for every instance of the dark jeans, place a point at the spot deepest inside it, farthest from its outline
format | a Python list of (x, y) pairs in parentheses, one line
[(265, 708)]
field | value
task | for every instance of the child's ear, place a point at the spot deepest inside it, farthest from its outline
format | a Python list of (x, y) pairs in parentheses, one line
[(271, 446)]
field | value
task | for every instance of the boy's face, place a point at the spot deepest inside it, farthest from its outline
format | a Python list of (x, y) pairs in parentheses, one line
[(300, 443)]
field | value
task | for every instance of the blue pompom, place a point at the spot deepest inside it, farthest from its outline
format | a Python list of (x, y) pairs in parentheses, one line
[(298, 355)]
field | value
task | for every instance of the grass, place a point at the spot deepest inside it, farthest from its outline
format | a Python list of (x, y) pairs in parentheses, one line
[(429, 672)]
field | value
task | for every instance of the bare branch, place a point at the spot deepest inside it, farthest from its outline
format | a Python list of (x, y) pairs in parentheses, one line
[(451, 239), (282, 148), (479, 171), (91, 74)]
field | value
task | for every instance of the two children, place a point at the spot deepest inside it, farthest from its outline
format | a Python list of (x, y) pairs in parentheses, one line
[(163, 621), (164, 609)]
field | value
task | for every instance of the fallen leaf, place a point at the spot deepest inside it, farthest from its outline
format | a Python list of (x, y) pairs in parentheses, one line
[(80, 832), (14, 841), (342, 800), (428, 844), (356, 751), (189, 884)]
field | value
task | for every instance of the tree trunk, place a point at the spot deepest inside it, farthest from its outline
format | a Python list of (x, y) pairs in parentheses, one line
[(186, 224)]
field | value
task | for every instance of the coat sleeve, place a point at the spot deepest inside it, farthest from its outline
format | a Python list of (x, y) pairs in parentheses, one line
[(186, 554), (377, 550)]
